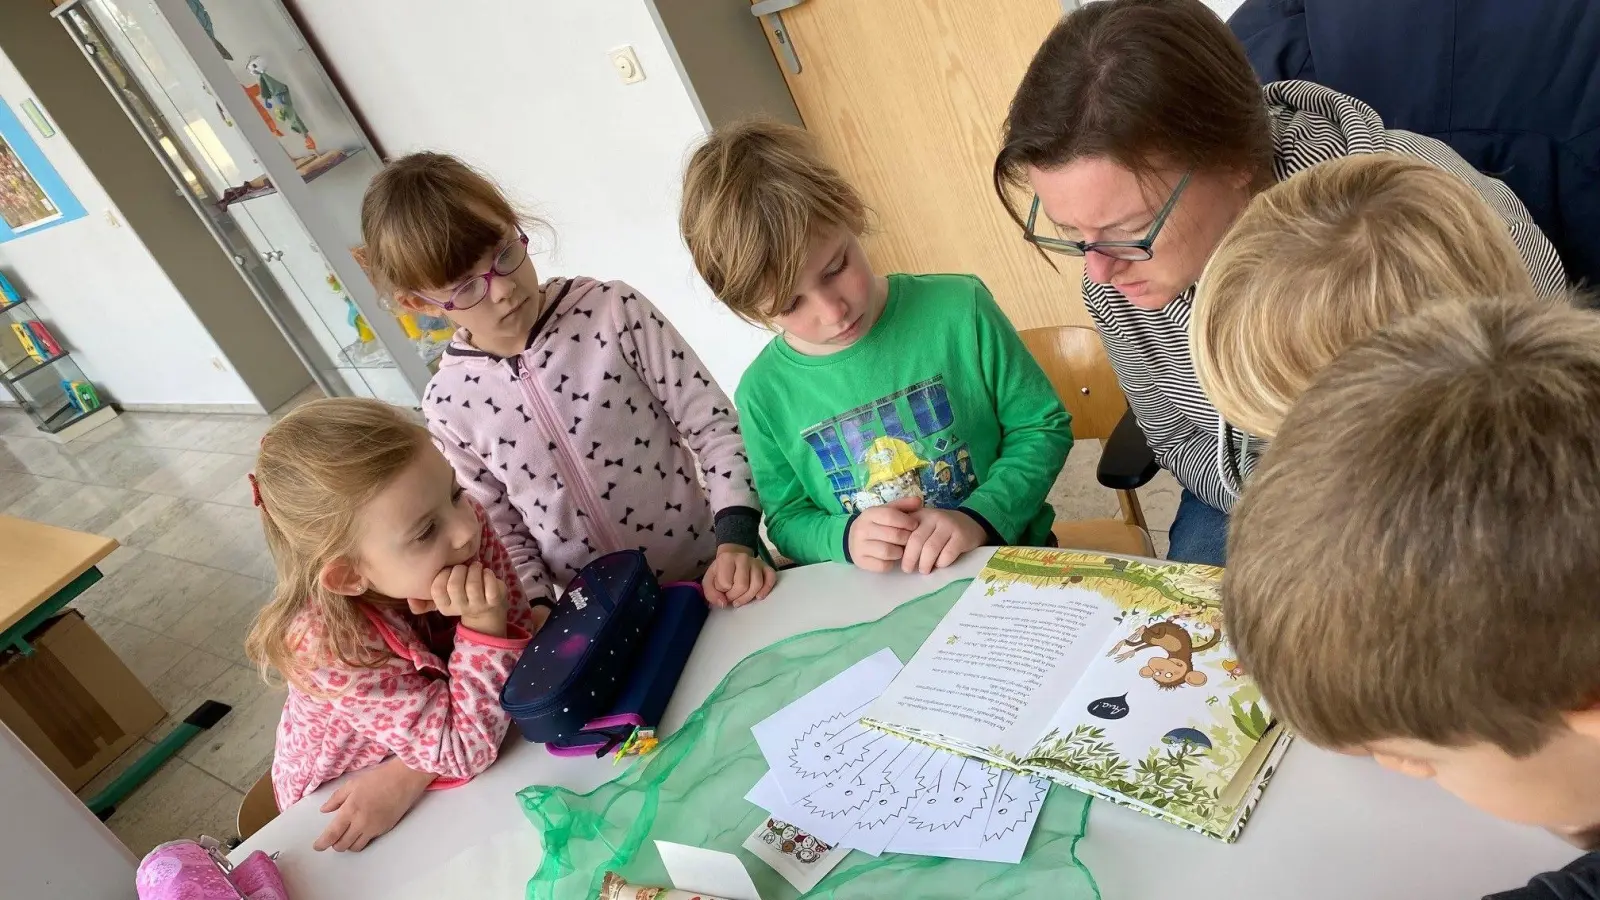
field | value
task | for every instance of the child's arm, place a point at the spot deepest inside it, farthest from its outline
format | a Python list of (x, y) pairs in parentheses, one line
[(370, 804), (802, 531), (504, 519), (1035, 430), (450, 726), (699, 409)]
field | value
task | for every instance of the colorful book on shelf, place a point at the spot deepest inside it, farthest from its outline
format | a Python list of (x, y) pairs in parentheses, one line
[(1110, 675), (35, 351), (9, 295), (44, 339)]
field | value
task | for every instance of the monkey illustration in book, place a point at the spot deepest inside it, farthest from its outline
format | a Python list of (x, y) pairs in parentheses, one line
[(1177, 667)]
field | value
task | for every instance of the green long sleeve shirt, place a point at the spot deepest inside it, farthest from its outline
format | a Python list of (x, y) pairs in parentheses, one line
[(940, 400)]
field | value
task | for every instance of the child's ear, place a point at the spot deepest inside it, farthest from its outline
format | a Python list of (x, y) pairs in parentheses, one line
[(339, 576), (413, 303)]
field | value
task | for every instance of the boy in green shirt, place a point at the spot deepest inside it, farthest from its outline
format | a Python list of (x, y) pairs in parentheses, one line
[(892, 420)]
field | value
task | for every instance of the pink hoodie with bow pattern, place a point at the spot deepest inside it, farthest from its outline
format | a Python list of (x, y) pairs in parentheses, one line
[(587, 441)]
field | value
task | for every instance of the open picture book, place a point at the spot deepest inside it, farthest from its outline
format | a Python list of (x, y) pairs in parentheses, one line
[(1110, 675)]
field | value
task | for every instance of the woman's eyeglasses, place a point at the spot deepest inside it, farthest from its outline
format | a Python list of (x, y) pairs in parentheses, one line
[(1132, 251), (471, 292)]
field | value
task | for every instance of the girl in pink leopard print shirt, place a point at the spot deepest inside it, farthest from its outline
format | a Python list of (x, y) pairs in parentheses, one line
[(396, 619)]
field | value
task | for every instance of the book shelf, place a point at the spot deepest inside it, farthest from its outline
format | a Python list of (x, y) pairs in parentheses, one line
[(38, 386)]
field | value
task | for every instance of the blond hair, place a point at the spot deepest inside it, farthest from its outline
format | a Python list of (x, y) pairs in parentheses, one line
[(1327, 257), (428, 218), (754, 195), (1415, 557), (317, 468)]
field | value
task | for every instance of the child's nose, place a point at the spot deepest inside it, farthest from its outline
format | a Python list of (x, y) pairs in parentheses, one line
[(837, 308), (466, 530), (500, 288)]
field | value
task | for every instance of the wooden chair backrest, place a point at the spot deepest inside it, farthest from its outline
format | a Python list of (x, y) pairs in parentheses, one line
[(1075, 361), (257, 808)]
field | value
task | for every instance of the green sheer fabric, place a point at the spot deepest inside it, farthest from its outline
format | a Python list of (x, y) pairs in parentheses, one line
[(691, 790)]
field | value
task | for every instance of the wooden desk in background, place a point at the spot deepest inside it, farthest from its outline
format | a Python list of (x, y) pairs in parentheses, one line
[(42, 569)]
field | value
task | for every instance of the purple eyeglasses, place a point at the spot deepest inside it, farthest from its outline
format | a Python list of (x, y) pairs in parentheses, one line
[(471, 292)]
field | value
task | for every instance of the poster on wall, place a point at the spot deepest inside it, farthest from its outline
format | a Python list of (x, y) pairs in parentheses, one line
[(33, 196), (23, 203)]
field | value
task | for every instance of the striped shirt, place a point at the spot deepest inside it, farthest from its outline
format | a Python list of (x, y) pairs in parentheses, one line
[(1150, 348)]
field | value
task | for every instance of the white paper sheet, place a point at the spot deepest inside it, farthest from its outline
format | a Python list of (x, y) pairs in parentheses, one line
[(819, 735), (953, 796), (866, 790), (702, 871), (999, 665)]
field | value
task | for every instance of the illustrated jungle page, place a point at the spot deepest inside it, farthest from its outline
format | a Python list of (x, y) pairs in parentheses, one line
[(1111, 675)]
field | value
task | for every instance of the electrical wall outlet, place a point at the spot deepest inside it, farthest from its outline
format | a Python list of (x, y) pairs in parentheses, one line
[(626, 62)]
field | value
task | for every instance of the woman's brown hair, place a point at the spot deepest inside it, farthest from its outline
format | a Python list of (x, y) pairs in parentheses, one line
[(1143, 83)]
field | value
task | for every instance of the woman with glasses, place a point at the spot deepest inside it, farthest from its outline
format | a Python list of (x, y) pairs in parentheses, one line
[(1141, 132)]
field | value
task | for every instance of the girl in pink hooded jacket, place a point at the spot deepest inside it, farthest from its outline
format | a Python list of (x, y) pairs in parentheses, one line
[(571, 409), (396, 618)]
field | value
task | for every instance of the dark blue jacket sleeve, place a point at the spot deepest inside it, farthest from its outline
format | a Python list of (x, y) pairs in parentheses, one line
[(1578, 881), (1510, 85)]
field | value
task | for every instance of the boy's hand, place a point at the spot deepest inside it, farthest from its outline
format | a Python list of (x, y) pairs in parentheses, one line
[(737, 576), (370, 804), (471, 593), (878, 536), (941, 537)]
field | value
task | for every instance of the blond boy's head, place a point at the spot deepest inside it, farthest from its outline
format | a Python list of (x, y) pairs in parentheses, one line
[(1413, 570), (756, 197), (1327, 257)]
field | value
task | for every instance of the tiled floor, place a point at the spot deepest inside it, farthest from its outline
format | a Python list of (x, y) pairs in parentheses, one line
[(177, 597), (179, 594)]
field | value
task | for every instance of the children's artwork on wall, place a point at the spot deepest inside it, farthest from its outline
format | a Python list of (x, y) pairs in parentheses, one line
[(23, 203), (272, 94), (32, 196)]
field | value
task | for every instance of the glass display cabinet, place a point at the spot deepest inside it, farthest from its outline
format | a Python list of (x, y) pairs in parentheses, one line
[(246, 121)]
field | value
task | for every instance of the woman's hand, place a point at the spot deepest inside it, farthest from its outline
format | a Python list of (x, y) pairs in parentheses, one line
[(370, 804), (471, 593), (941, 537), (737, 576)]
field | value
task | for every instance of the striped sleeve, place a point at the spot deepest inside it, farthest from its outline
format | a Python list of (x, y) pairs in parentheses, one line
[(1184, 440)]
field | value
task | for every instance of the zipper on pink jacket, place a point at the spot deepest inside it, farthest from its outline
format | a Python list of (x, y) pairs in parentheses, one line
[(577, 479)]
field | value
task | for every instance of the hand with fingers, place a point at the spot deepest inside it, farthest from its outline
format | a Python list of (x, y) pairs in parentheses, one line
[(878, 536), (471, 593), (370, 804), (737, 576), (942, 535)]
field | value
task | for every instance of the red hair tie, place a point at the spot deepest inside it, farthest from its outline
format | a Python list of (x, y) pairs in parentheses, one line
[(255, 490)]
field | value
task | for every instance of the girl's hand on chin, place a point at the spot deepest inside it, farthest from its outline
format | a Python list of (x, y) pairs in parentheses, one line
[(471, 593)]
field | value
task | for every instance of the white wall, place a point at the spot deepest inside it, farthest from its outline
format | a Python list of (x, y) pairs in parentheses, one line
[(107, 298), (524, 90)]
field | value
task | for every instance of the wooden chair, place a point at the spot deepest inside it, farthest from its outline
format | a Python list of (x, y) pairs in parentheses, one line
[(257, 808), (1075, 362)]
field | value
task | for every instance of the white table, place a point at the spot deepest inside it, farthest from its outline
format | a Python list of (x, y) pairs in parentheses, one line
[(1329, 826)]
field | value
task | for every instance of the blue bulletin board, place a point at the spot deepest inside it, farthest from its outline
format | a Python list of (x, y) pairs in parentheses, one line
[(32, 196)]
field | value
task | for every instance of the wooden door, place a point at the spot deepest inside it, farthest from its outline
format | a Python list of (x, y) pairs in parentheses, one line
[(907, 98)]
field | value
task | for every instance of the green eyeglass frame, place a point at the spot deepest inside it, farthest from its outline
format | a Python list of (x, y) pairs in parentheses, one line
[(1132, 251)]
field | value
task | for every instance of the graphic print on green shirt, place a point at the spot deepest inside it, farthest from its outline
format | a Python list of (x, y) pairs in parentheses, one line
[(903, 444), (940, 399)]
